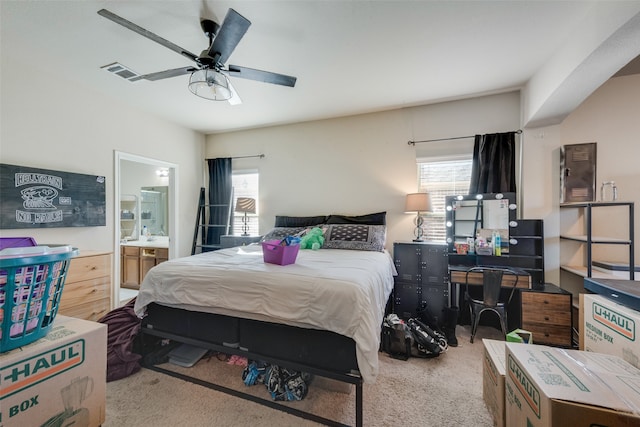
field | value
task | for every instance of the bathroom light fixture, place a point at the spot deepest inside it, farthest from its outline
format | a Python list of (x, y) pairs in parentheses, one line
[(418, 202), (210, 84)]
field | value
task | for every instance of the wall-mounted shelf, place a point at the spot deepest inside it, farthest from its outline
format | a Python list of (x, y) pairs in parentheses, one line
[(128, 215)]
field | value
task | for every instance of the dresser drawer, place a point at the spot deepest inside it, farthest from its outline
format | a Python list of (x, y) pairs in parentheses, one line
[(130, 250), (549, 317), (89, 267), (92, 310), (549, 334), (75, 293), (536, 302)]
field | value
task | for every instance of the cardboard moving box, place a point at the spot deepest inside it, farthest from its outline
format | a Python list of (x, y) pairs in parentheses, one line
[(548, 386), (58, 380), (493, 371), (608, 327)]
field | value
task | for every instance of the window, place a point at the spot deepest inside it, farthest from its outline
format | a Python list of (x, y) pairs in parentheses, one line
[(245, 184), (441, 178)]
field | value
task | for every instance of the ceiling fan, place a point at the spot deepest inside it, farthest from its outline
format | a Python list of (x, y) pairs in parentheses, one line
[(209, 75)]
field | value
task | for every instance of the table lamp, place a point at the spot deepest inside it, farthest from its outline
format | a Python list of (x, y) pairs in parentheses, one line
[(418, 202), (245, 205)]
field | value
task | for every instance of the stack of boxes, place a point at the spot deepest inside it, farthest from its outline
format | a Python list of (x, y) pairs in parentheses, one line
[(534, 385), (598, 385)]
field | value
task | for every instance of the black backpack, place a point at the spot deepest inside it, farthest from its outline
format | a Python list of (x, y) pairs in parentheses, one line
[(396, 338), (428, 342), (402, 340)]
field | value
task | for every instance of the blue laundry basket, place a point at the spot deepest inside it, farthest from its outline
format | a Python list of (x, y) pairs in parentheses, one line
[(31, 283)]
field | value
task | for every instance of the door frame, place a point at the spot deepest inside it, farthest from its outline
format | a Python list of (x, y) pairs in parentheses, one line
[(173, 212)]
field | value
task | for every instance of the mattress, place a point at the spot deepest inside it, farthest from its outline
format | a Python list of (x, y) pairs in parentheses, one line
[(342, 291)]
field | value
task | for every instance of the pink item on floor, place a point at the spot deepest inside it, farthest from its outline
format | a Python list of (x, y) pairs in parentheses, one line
[(237, 360)]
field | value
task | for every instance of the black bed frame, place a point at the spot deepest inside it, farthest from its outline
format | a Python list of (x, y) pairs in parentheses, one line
[(318, 352)]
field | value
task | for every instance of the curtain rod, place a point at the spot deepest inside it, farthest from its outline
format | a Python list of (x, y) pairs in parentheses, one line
[(242, 157), (519, 131)]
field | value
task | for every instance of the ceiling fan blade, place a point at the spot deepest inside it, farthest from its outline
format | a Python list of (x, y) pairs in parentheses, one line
[(146, 33), (165, 74), (229, 35), (235, 98), (261, 76)]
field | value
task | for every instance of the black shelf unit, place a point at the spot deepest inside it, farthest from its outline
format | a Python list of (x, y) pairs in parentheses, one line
[(526, 248), (526, 251), (589, 239)]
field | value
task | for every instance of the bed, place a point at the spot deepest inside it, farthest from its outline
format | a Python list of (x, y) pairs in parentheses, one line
[(321, 314)]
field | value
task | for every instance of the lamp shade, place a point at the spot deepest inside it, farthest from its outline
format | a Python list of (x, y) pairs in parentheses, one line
[(418, 202), (210, 84), (246, 205)]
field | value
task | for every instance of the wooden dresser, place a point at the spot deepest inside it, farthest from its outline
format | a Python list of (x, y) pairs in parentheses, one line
[(547, 313), (87, 289)]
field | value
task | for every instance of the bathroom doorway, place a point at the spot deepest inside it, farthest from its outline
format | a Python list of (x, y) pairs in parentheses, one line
[(133, 174)]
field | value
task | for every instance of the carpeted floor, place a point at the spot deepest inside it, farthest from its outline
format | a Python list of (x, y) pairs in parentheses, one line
[(444, 391)]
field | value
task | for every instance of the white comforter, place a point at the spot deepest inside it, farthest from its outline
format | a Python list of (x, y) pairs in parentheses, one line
[(344, 291)]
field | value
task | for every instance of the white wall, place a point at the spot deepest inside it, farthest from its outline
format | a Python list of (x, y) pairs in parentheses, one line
[(363, 164), (359, 164), (135, 175), (49, 122), (608, 117), (602, 41)]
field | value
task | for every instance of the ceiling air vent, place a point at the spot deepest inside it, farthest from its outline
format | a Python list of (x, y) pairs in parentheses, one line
[(120, 70)]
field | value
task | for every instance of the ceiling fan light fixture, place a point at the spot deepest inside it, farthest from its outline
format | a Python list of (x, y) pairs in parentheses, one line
[(210, 84)]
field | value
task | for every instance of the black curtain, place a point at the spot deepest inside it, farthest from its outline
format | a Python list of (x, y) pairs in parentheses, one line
[(493, 169), (220, 188)]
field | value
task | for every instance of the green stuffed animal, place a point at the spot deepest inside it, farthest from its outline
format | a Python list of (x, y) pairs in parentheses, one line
[(313, 239)]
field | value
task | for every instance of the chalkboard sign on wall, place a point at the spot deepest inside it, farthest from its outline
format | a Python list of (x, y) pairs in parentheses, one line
[(42, 198)]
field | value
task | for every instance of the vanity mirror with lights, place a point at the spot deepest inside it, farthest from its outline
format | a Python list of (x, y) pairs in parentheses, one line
[(479, 217), (482, 216)]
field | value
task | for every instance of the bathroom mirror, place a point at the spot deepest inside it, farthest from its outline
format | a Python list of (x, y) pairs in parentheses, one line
[(154, 208), (483, 214)]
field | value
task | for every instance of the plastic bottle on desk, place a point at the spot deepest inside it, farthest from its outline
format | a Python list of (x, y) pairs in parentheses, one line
[(480, 243), (497, 243), (471, 243)]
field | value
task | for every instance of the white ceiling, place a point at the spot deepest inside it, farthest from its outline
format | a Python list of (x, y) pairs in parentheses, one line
[(350, 57)]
